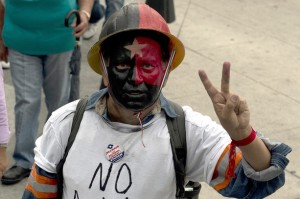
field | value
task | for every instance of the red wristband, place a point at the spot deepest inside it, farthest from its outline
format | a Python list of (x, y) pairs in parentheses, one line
[(232, 152), (245, 141)]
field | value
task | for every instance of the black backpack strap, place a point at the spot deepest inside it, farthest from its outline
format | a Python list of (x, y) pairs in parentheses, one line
[(176, 127), (80, 108)]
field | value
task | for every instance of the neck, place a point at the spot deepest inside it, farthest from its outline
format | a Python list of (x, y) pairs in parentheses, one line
[(118, 113)]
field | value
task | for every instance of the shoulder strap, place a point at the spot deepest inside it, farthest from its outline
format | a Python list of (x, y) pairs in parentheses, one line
[(80, 108), (176, 127)]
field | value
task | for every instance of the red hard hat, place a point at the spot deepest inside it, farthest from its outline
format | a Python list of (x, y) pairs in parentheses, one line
[(133, 17)]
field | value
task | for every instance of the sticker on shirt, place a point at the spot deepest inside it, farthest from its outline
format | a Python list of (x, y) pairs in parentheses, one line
[(114, 153)]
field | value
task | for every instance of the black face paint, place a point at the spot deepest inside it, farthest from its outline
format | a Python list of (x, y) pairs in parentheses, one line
[(135, 72)]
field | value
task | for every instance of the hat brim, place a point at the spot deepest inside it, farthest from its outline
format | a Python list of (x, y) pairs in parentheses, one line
[(93, 56)]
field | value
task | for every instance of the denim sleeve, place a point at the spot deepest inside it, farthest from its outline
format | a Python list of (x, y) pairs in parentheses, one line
[(249, 184)]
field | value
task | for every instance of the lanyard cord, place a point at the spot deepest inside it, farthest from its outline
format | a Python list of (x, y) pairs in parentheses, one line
[(142, 127)]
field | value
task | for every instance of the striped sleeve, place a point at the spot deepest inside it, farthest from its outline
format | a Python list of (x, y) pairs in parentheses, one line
[(248, 183), (41, 184), (221, 179)]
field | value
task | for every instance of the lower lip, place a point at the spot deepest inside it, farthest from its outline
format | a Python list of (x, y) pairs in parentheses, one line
[(135, 95)]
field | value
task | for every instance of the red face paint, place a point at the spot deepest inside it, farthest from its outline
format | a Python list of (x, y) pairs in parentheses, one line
[(148, 61), (136, 72)]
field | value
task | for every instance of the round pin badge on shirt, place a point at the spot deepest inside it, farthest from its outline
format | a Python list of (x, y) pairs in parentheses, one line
[(114, 153)]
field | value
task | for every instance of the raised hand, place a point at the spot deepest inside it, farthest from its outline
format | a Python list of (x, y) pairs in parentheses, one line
[(232, 111)]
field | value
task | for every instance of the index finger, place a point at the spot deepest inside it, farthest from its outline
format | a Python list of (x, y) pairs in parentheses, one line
[(225, 78), (209, 87)]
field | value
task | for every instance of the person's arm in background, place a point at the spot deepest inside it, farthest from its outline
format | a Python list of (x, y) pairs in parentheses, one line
[(85, 8), (4, 129), (3, 48)]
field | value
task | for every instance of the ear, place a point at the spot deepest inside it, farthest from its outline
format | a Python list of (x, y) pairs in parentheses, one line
[(105, 79), (104, 76), (104, 70)]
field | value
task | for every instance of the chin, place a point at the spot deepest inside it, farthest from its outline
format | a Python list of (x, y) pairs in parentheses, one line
[(135, 106)]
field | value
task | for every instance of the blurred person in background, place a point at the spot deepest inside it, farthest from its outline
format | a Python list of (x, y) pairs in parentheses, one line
[(98, 12), (39, 50), (4, 127)]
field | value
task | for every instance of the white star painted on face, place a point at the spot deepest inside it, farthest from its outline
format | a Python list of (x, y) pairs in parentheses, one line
[(135, 48)]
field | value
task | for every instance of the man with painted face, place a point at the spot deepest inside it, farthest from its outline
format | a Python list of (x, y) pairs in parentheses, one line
[(122, 148)]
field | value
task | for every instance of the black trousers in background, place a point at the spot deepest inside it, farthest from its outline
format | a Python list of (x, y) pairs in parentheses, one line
[(164, 7)]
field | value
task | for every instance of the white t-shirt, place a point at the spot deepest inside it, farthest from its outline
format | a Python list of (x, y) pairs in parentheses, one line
[(145, 169)]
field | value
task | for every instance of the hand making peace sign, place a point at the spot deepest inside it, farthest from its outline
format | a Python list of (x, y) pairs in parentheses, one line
[(231, 110)]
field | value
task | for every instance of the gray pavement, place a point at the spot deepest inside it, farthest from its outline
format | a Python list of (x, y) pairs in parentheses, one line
[(262, 41)]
